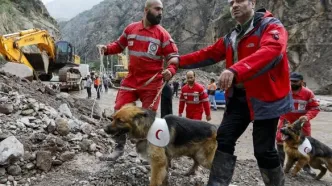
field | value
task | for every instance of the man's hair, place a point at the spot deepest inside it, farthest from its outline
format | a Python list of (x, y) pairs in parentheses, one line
[(212, 79), (148, 3)]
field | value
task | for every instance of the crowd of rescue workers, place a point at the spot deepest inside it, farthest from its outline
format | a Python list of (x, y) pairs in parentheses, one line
[(259, 88)]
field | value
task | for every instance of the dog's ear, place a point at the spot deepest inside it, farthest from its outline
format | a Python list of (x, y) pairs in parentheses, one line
[(285, 123), (298, 124), (141, 114)]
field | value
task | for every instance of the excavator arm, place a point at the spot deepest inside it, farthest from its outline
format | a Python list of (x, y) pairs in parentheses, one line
[(11, 44)]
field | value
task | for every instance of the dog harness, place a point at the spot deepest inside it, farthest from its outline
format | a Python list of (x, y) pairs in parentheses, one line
[(305, 147), (158, 133)]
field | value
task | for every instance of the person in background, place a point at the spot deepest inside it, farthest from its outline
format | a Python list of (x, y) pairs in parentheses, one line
[(97, 85), (212, 87), (105, 82), (175, 88), (194, 96), (88, 85)]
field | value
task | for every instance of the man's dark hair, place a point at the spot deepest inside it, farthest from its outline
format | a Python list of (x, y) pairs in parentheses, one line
[(212, 79)]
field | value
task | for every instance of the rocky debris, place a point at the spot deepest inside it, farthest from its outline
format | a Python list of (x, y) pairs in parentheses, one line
[(11, 150), (40, 131)]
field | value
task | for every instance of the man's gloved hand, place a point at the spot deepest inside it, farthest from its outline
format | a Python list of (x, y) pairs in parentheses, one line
[(208, 118), (102, 49)]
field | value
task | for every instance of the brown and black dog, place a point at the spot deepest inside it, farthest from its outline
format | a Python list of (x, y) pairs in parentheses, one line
[(319, 156), (192, 138)]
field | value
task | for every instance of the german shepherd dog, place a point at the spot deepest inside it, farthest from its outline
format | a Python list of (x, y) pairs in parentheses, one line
[(191, 138), (319, 156)]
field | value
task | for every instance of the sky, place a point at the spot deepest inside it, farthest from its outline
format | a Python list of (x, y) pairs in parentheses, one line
[(46, 1)]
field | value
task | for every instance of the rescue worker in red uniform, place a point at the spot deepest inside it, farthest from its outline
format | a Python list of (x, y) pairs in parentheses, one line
[(306, 107), (148, 45), (257, 86), (196, 98)]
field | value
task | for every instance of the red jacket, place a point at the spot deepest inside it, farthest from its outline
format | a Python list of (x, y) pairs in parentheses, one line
[(262, 65), (147, 49), (195, 98), (305, 104)]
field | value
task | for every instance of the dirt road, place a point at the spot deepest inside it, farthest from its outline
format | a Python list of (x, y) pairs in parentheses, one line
[(246, 171), (321, 125)]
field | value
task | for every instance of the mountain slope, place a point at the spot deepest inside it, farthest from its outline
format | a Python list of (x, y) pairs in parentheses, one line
[(65, 10), (195, 24), (16, 15)]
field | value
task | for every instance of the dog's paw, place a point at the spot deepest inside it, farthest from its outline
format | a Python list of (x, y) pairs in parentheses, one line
[(294, 174)]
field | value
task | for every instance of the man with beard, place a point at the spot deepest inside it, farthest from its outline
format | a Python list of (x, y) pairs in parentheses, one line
[(196, 98), (257, 86), (148, 45), (306, 107)]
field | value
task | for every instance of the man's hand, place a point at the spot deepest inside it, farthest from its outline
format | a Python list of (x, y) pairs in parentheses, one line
[(208, 118), (226, 79), (167, 75), (303, 118), (102, 49), (173, 60)]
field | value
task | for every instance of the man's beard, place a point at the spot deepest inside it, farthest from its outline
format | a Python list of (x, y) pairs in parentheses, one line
[(296, 87), (154, 20)]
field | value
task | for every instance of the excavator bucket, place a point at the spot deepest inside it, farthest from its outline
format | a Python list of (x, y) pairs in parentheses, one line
[(39, 61)]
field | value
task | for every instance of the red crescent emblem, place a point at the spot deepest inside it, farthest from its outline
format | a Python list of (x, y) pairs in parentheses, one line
[(157, 134)]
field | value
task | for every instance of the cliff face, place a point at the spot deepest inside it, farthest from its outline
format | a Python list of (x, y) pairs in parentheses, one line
[(16, 15), (195, 24)]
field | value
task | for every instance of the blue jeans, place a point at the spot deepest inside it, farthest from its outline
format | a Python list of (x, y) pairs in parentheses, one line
[(212, 100)]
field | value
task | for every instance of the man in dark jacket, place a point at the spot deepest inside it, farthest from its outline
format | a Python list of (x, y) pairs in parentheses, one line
[(257, 86)]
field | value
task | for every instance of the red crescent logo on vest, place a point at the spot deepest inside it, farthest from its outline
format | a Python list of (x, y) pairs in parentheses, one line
[(306, 149), (157, 134)]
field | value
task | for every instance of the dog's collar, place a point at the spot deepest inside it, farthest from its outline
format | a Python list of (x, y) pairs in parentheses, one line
[(158, 133), (305, 147)]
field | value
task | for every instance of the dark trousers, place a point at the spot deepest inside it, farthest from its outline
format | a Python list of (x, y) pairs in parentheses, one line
[(106, 87), (175, 91), (236, 120), (98, 91), (88, 89), (166, 106)]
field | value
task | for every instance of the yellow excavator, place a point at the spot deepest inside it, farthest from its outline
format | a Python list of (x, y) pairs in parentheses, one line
[(52, 59), (120, 70)]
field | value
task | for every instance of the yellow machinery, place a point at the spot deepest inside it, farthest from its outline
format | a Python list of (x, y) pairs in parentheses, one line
[(121, 70), (54, 58)]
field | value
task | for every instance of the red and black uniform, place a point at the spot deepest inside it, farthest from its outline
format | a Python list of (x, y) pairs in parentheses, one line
[(256, 53), (305, 104), (148, 47), (196, 99)]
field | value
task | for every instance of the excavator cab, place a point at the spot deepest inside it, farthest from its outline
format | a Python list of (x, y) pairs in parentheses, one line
[(64, 53)]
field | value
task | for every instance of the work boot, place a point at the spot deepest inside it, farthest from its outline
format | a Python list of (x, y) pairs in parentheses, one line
[(309, 171), (273, 177), (222, 169), (118, 150)]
